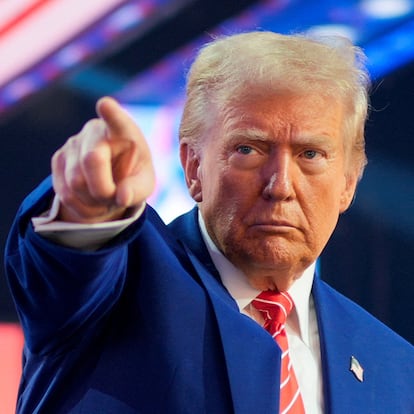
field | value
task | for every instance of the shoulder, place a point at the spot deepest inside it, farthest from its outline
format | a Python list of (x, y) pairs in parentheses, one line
[(336, 311)]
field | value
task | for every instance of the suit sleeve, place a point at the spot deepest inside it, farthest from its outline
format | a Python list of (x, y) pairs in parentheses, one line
[(61, 292)]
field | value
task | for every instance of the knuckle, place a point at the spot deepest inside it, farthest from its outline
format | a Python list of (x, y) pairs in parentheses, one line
[(76, 182), (94, 127), (93, 158), (56, 160), (61, 155), (67, 198), (71, 144)]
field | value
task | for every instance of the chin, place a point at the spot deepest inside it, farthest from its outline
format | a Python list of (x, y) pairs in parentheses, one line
[(280, 283)]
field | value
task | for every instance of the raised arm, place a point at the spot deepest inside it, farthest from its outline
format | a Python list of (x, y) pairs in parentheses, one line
[(97, 175), (103, 170)]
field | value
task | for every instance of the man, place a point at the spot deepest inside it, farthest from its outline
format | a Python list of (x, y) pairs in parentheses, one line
[(125, 315)]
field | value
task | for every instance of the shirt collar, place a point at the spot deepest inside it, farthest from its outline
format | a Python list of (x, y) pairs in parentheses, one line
[(239, 288)]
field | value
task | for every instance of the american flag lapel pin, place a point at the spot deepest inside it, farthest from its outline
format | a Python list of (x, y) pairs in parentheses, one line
[(356, 369)]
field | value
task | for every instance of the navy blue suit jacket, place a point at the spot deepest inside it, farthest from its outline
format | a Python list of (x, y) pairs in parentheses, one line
[(143, 325)]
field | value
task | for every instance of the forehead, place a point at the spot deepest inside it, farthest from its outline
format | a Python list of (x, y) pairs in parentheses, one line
[(286, 112)]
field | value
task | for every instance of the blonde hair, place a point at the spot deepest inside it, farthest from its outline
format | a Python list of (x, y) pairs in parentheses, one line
[(271, 63)]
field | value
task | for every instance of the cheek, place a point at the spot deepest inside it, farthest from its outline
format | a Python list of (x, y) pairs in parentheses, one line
[(222, 186), (224, 206), (324, 217), (321, 205)]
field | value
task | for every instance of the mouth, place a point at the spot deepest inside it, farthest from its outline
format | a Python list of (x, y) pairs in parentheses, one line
[(274, 226)]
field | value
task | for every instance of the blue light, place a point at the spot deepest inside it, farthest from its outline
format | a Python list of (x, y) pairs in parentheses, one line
[(391, 50)]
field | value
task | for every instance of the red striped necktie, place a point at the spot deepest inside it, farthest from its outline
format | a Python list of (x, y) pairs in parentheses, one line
[(275, 306)]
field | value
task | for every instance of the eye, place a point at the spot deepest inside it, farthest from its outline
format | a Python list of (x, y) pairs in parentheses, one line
[(310, 154), (246, 157), (244, 149)]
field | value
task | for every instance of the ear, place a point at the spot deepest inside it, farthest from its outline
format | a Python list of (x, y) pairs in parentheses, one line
[(191, 166), (348, 194)]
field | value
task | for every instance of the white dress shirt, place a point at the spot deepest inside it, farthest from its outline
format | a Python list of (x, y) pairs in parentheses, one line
[(301, 325)]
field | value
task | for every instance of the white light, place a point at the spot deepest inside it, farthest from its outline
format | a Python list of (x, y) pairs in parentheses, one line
[(386, 9), (334, 30)]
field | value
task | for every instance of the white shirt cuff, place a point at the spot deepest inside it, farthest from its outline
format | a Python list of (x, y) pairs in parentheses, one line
[(83, 236)]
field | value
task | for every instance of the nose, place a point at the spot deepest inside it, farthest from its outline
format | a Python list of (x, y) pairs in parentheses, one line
[(278, 175)]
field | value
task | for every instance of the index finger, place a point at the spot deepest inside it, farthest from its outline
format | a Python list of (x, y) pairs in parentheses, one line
[(118, 121)]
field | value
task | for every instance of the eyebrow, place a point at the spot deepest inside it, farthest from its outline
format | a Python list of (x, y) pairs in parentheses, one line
[(313, 139), (249, 133), (302, 139)]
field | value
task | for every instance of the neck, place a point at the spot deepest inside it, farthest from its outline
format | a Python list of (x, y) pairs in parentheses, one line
[(274, 279)]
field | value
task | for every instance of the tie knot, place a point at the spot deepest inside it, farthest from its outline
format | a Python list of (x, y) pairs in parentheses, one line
[(274, 305)]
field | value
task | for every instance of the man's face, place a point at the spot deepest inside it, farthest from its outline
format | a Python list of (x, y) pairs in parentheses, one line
[(270, 182)]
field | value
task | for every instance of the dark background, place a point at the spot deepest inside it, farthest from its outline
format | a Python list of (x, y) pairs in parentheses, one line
[(370, 258)]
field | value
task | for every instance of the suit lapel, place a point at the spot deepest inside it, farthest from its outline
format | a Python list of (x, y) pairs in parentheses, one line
[(252, 358), (339, 333), (186, 229)]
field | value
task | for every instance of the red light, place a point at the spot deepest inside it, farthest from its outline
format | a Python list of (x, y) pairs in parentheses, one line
[(11, 345)]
